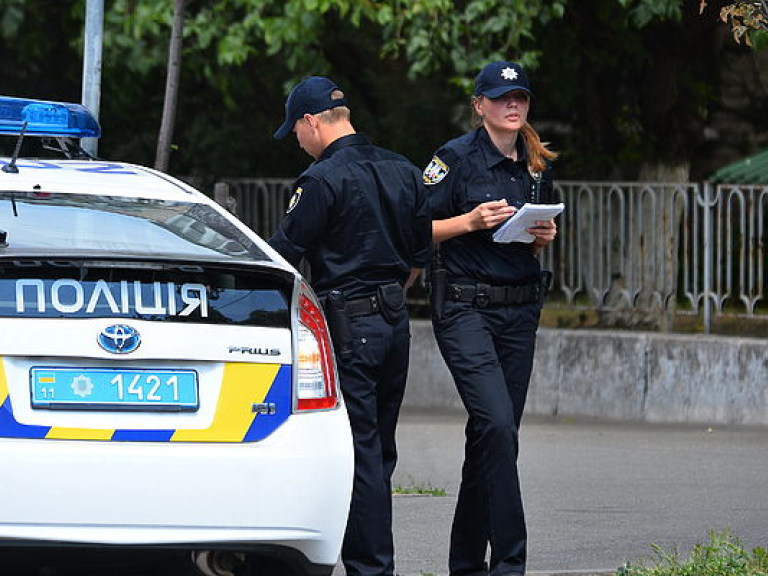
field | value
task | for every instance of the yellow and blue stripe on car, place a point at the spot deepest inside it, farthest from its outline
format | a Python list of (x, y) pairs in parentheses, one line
[(244, 385)]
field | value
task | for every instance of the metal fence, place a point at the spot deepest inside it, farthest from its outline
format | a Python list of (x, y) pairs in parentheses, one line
[(258, 202), (653, 250)]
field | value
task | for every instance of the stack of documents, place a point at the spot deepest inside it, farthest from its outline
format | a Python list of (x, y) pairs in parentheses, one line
[(514, 229)]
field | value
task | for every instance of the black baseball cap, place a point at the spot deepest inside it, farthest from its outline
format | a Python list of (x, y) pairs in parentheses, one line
[(498, 78), (310, 96)]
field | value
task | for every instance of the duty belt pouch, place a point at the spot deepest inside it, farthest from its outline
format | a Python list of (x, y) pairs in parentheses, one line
[(338, 319), (391, 301)]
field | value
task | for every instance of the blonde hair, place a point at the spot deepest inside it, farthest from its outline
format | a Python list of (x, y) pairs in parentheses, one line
[(336, 114), (538, 151)]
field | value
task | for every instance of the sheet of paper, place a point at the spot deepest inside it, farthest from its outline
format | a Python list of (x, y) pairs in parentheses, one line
[(514, 229)]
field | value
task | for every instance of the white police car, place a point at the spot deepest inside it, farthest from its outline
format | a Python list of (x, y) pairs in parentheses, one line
[(166, 379)]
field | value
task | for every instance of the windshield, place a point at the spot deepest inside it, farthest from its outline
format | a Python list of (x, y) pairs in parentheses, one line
[(53, 224)]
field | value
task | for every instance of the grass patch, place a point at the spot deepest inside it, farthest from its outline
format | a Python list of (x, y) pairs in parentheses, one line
[(420, 489), (722, 556)]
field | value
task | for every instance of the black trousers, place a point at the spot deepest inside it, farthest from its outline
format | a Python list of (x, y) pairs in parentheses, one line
[(373, 383), (489, 352)]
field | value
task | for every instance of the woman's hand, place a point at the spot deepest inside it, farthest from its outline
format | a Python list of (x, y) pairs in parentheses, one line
[(482, 217), (489, 214), (544, 232)]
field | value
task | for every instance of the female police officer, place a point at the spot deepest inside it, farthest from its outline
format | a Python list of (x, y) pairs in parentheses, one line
[(486, 312)]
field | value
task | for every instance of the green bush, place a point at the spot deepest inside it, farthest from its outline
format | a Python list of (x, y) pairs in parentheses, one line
[(723, 556)]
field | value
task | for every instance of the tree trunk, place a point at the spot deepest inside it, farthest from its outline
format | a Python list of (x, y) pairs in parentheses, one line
[(165, 138)]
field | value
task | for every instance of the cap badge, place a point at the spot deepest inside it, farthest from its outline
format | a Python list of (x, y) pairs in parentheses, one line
[(509, 73), (436, 171)]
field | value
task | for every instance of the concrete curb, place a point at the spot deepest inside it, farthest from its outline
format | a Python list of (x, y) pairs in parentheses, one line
[(624, 376)]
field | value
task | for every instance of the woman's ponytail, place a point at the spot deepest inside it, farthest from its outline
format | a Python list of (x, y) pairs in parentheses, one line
[(538, 153)]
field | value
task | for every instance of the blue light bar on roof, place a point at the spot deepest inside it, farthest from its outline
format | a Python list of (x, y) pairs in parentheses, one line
[(45, 118)]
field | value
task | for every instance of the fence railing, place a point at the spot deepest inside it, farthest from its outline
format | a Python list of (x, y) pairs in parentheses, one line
[(655, 249)]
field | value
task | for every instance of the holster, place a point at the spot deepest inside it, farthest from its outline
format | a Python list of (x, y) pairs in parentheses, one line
[(391, 301), (437, 283), (436, 287), (338, 321)]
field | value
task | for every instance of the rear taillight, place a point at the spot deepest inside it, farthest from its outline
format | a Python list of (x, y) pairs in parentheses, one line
[(317, 375)]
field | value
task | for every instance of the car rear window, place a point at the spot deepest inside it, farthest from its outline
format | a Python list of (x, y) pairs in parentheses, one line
[(50, 223), (147, 291)]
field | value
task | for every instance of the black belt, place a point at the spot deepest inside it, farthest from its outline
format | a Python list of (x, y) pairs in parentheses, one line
[(363, 306), (482, 295)]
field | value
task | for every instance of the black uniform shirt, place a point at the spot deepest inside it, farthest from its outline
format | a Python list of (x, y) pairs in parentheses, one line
[(360, 216), (466, 172)]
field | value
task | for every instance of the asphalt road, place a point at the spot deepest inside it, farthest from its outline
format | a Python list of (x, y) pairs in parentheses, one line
[(596, 493)]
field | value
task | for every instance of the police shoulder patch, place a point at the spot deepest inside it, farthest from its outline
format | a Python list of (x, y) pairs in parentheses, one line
[(436, 171), (294, 199)]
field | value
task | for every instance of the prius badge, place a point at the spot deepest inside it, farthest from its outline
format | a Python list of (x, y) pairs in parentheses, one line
[(119, 339)]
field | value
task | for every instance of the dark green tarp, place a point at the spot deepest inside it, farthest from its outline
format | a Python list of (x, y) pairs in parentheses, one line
[(751, 170)]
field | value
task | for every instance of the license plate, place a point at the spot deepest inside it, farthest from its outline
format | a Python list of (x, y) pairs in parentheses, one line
[(109, 389)]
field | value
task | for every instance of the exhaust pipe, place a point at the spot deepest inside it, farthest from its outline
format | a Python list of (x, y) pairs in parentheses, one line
[(219, 562)]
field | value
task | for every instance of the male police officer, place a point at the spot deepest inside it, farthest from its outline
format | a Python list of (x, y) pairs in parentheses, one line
[(359, 216)]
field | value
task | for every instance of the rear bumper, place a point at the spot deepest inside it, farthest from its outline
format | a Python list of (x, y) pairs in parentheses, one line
[(290, 490), (38, 558)]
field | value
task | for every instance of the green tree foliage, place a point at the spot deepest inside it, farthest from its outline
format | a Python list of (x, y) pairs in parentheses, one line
[(253, 50), (619, 82), (35, 49), (748, 20), (632, 83), (430, 34)]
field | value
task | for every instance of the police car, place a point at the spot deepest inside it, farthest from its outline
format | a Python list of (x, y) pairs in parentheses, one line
[(167, 381)]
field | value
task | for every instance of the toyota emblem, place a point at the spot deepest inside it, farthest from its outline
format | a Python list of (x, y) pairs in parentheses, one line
[(119, 339)]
